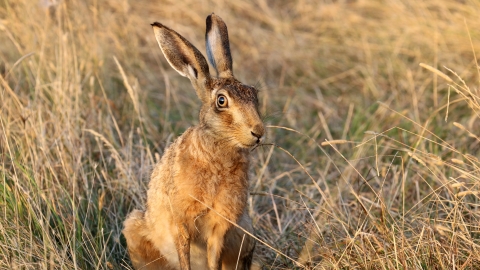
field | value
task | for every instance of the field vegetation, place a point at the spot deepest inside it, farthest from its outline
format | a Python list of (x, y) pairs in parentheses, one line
[(373, 110)]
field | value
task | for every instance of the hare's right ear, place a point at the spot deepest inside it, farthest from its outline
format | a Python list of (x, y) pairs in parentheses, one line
[(218, 46), (184, 58)]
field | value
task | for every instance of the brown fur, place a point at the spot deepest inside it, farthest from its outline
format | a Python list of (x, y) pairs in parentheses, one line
[(202, 178)]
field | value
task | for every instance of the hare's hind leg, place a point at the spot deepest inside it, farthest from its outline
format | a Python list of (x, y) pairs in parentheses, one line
[(143, 253)]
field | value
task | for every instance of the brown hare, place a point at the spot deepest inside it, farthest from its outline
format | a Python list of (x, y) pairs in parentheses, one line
[(202, 178)]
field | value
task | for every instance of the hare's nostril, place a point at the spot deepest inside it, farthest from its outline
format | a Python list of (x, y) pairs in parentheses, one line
[(258, 130), (256, 135)]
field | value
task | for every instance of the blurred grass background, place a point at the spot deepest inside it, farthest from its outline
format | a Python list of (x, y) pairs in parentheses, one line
[(88, 105)]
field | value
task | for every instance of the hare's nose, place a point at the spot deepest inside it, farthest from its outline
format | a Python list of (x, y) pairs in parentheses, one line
[(258, 136), (258, 131)]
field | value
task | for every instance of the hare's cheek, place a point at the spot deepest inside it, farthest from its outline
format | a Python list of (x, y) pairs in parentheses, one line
[(226, 118)]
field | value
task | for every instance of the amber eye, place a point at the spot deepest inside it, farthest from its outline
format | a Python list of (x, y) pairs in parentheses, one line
[(222, 101)]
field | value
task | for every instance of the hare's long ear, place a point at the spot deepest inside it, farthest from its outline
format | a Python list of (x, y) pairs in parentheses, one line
[(184, 58), (218, 46)]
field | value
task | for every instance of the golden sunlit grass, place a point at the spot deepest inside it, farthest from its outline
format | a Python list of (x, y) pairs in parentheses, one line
[(372, 154)]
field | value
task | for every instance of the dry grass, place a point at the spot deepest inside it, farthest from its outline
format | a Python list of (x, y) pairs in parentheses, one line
[(88, 104)]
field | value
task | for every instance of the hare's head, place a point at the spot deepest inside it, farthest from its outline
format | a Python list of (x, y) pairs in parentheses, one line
[(230, 108)]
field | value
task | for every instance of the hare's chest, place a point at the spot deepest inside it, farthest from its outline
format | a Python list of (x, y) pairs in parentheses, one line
[(211, 180), (218, 184), (222, 198)]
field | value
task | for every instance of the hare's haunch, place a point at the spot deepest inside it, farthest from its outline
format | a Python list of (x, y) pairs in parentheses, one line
[(202, 178)]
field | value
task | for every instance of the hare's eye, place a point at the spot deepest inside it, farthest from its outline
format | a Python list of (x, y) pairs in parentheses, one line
[(222, 101)]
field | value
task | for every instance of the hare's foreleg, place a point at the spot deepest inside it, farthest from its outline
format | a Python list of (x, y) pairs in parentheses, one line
[(215, 243), (182, 244), (239, 245)]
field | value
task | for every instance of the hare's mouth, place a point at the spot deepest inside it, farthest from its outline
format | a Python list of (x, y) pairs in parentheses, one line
[(255, 147), (251, 146), (244, 145)]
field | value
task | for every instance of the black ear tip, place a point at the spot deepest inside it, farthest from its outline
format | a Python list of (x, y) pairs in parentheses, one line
[(209, 23), (157, 24)]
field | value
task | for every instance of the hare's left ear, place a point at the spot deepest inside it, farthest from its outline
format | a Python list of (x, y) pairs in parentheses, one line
[(218, 46), (184, 58)]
